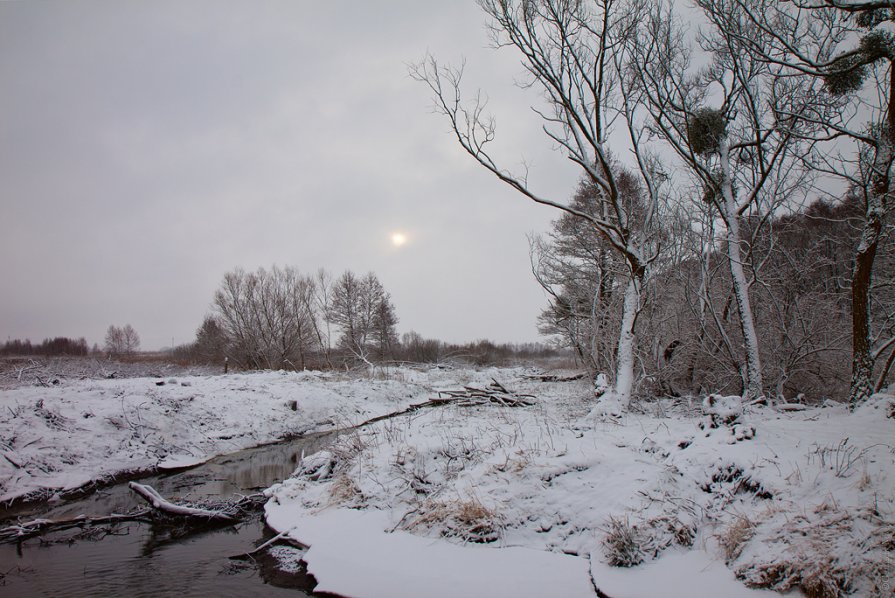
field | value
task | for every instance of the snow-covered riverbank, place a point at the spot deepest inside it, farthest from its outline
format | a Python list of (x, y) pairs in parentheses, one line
[(806, 504), (64, 436), (430, 499)]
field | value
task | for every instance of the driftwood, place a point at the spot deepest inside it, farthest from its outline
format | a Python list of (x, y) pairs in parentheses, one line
[(469, 396), (493, 393), (29, 529), (149, 494)]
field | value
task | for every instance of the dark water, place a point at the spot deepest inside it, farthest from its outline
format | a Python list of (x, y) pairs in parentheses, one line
[(140, 559)]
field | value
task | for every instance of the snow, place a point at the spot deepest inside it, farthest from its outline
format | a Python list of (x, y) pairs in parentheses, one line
[(352, 554), (681, 574), (700, 495), (680, 477), (64, 436)]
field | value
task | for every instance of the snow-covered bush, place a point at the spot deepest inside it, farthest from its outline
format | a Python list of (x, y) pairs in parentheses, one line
[(727, 413), (628, 544), (728, 481)]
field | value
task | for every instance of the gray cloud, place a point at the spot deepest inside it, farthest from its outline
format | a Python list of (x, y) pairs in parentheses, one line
[(148, 147)]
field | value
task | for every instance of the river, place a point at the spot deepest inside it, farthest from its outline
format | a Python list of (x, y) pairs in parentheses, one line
[(140, 559)]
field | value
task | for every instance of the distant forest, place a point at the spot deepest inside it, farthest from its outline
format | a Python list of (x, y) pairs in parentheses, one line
[(49, 347)]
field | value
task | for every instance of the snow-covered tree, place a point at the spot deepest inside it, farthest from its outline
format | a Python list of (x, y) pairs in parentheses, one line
[(577, 54), (849, 46), (735, 125)]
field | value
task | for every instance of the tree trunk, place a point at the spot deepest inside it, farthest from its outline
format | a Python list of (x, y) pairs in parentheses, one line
[(862, 278), (753, 384), (624, 362)]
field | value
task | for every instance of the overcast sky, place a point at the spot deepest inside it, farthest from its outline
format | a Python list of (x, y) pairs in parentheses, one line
[(146, 148)]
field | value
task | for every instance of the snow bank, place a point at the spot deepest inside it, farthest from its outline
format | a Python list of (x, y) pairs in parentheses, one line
[(699, 506), (492, 500), (64, 436), (352, 554)]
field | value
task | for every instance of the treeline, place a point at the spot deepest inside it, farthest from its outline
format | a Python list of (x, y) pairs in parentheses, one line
[(689, 339), (416, 349), (730, 117), (49, 347), (280, 318)]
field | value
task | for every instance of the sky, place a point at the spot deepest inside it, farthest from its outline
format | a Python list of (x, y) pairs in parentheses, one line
[(147, 148)]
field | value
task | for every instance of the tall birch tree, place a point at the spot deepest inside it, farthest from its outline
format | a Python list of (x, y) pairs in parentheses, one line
[(849, 45), (734, 124), (576, 54)]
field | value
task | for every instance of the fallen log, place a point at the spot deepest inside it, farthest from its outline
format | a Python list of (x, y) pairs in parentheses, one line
[(149, 494), (555, 378), (29, 529)]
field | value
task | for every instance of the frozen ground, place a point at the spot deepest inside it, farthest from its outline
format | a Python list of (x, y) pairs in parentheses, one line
[(795, 500), (491, 500), (76, 431)]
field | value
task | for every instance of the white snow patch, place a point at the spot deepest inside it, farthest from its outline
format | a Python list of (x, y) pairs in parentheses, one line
[(679, 574), (352, 554)]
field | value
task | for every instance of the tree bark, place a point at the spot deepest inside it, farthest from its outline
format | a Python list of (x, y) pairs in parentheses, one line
[(862, 278), (624, 362), (753, 385)]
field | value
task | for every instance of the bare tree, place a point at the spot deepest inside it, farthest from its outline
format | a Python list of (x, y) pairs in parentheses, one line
[(321, 306), (735, 125), (267, 317), (362, 309), (580, 273), (576, 54), (130, 339), (122, 341), (114, 342), (815, 39)]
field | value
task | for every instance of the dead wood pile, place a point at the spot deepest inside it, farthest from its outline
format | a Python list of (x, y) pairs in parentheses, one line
[(555, 378), (471, 396)]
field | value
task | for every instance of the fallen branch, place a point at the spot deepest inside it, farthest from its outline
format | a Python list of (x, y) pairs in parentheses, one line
[(555, 378), (790, 407), (275, 539), (149, 494), (29, 529)]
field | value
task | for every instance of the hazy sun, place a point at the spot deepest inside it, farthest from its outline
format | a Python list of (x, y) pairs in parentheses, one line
[(399, 239)]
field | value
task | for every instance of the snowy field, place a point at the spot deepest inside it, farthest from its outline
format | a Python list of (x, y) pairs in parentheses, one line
[(64, 436), (794, 500), (493, 500)]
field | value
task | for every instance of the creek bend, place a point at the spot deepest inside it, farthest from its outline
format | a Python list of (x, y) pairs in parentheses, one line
[(140, 559)]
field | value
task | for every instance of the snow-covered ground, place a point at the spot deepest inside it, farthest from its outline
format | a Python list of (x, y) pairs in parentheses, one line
[(64, 436), (789, 500), (491, 500)]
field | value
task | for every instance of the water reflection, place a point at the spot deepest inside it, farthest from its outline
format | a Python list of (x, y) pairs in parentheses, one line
[(137, 559)]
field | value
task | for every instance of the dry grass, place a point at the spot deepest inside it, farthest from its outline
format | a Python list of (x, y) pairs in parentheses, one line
[(623, 543), (345, 491), (468, 520), (827, 552), (733, 539)]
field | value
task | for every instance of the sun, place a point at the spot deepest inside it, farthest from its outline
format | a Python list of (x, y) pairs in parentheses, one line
[(399, 239)]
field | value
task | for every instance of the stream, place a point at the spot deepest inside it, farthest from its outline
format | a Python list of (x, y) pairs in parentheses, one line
[(139, 559)]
